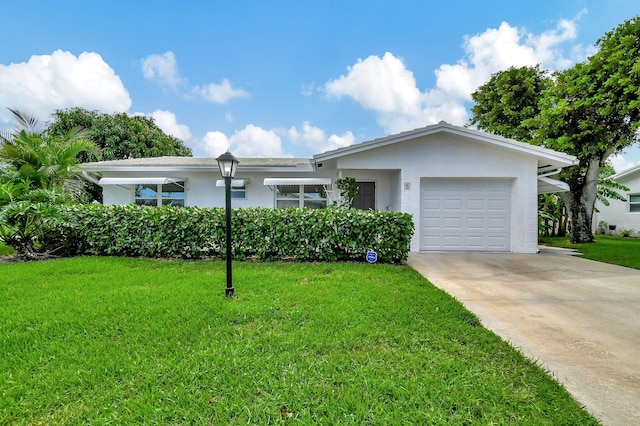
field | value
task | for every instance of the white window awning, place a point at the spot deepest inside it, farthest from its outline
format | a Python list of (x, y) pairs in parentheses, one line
[(235, 183), (547, 185), (139, 181), (296, 181)]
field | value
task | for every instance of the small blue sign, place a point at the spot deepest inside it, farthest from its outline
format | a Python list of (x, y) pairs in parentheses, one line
[(372, 256)]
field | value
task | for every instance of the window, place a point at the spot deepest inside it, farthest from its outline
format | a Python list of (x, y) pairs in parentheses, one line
[(634, 203), (310, 196), (168, 194), (238, 188), (239, 191)]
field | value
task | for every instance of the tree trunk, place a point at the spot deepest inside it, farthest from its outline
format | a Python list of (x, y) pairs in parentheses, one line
[(581, 220), (562, 222), (580, 202)]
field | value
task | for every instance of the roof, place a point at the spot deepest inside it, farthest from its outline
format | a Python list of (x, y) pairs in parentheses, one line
[(545, 155), (627, 172), (195, 163)]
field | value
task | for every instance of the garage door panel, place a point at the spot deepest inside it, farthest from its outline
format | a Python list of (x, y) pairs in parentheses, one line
[(475, 223), (475, 204), (465, 214), (453, 204)]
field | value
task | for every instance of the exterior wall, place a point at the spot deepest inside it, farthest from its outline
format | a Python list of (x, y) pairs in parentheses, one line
[(617, 213), (201, 189), (387, 186), (449, 156), (397, 171)]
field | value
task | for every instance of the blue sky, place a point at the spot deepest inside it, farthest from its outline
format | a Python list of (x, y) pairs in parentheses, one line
[(285, 78)]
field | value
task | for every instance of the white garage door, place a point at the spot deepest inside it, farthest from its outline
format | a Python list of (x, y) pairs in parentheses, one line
[(465, 214)]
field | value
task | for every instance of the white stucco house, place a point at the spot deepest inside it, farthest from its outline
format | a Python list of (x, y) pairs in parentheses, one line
[(623, 214), (466, 190)]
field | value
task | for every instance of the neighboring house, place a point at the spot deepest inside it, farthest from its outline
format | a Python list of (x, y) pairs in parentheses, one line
[(466, 190), (623, 214)]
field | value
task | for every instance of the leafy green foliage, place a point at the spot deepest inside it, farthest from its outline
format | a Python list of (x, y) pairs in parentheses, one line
[(591, 110), (120, 135), (23, 225), (6, 250), (627, 232), (44, 160), (348, 192), (140, 342), (507, 103), (258, 233)]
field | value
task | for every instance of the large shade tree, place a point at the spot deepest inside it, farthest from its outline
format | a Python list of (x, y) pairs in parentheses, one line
[(591, 110), (120, 135)]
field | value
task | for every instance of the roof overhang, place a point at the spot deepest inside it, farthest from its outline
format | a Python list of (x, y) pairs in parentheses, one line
[(138, 181), (630, 171), (297, 181), (546, 185), (547, 158)]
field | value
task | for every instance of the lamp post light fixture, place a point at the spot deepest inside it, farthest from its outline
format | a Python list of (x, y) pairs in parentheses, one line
[(228, 164)]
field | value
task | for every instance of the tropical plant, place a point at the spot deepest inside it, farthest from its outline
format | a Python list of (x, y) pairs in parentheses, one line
[(627, 232), (25, 216), (44, 160)]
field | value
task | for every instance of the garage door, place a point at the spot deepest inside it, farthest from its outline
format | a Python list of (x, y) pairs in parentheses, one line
[(465, 214)]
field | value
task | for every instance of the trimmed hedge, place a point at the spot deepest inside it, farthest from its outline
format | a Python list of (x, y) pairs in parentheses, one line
[(258, 233)]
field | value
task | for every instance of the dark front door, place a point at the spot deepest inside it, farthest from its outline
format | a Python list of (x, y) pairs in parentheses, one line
[(366, 198)]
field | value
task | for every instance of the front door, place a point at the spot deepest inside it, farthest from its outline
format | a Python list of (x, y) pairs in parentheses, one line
[(366, 198)]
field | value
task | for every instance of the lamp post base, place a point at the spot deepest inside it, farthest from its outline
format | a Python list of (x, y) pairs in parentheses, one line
[(229, 292)]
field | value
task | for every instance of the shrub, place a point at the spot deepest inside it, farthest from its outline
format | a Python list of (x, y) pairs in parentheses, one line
[(624, 232), (258, 233)]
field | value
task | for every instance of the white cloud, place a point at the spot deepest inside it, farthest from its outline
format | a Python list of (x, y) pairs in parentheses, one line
[(316, 139), (61, 80), (168, 123), (215, 143), (308, 89), (498, 49), (252, 141), (620, 163), (163, 70), (219, 93), (385, 85)]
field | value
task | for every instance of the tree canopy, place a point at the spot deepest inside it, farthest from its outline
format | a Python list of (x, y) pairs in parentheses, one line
[(120, 135), (591, 110)]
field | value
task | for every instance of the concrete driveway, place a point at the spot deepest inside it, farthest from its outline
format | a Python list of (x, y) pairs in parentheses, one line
[(579, 318)]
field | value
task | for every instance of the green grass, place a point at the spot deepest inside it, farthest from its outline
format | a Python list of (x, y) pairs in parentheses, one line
[(617, 250), (5, 250), (136, 341)]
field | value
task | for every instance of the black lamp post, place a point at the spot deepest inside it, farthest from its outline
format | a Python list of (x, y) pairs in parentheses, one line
[(228, 164)]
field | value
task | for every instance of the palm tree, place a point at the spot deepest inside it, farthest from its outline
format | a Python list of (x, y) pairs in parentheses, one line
[(38, 171), (46, 160)]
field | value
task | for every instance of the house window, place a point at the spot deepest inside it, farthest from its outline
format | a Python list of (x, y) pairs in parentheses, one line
[(239, 191), (169, 194), (634, 203), (310, 196)]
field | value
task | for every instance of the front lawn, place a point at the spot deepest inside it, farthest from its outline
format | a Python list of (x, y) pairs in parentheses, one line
[(137, 341), (621, 251)]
